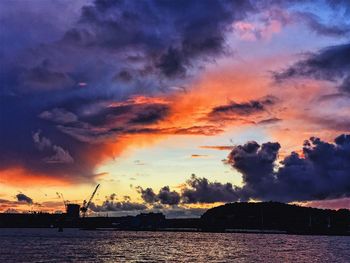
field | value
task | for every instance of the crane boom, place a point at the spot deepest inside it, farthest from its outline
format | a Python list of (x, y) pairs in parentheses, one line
[(92, 196), (87, 204), (65, 202)]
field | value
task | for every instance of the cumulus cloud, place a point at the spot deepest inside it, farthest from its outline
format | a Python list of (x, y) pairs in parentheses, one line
[(59, 154), (147, 195), (197, 190), (164, 196), (127, 207), (200, 190), (112, 204), (24, 198), (322, 173), (167, 197), (41, 142)]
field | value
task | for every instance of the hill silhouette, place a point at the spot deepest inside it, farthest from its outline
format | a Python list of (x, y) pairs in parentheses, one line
[(275, 216)]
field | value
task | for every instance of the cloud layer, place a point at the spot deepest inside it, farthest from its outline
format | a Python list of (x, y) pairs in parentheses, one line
[(321, 172), (111, 204), (79, 86), (80, 90), (331, 63)]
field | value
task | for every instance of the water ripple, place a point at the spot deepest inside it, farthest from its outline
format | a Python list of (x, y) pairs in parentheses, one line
[(47, 245)]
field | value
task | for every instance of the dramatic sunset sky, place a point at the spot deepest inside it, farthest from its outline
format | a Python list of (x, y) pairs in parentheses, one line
[(174, 106)]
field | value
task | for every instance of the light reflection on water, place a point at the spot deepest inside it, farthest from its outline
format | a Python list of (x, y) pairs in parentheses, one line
[(47, 245)]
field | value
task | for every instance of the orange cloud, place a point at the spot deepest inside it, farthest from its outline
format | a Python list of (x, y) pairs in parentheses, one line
[(18, 176), (199, 156), (187, 115)]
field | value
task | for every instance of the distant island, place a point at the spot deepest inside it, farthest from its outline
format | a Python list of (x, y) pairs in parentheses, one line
[(275, 216), (248, 217)]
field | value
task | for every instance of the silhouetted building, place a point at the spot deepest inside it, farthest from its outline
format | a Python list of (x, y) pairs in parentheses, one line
[(265, 217), (73, 211)]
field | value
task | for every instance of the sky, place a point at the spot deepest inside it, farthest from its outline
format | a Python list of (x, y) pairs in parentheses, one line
[(174, 106)]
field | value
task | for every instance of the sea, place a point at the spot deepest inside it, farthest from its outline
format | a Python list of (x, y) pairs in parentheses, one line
[(74, 245)]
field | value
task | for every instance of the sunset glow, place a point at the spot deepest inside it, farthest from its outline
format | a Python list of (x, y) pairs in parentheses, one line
[(179, 108)]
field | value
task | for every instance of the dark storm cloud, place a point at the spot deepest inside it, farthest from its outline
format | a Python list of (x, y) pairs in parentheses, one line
[(200, 190), (164, 196), (60, 75), (255, 163), (323, 172), (24, 198), (127, 113), (147, 195), (167, 197), (170, 33), (331, 63), (171, 63), (197, 190)]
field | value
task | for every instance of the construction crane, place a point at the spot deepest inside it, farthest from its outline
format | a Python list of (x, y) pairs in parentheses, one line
[(86, 205), (65, 202)]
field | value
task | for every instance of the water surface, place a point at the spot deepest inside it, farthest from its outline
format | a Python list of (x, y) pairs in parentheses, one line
[(73, 245)]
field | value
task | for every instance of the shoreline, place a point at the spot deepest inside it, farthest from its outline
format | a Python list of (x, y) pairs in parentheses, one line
[(192, 230)]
